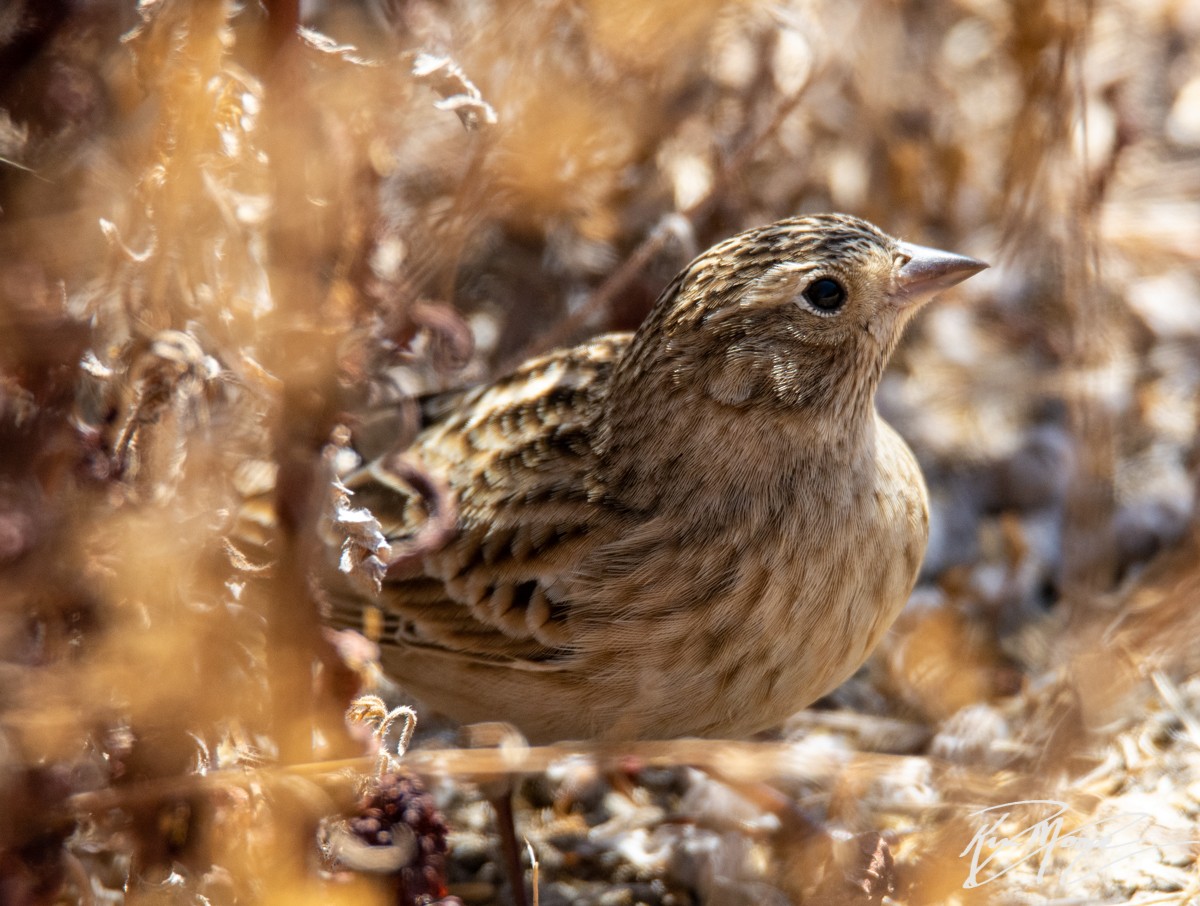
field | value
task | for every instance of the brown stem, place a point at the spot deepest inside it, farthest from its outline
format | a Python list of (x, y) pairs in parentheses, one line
[(304, 364)]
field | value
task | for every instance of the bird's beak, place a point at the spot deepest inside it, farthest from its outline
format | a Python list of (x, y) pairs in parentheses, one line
[(929, 271)]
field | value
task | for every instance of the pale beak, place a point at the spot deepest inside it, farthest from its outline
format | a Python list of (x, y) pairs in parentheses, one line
[(929, 271)]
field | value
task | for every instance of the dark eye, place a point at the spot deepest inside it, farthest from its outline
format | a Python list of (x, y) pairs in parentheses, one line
[(825, 294)]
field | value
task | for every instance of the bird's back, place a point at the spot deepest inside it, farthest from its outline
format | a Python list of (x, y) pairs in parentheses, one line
[(460, 625)]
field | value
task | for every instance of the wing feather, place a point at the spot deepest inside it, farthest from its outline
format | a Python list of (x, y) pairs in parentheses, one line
[(518, 459)]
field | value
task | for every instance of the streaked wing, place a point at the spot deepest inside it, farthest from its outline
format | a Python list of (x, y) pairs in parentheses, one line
[(516, 455)]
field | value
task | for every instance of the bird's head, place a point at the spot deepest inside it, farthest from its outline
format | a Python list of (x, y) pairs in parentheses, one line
[(803, 313)]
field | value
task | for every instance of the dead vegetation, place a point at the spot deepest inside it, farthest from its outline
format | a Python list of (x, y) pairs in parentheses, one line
[(225, 250)]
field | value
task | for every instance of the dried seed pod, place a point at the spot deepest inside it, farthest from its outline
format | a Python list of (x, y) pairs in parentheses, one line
[(396, 831)]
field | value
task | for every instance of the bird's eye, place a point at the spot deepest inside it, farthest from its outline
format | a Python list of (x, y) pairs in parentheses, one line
[(825, 294)]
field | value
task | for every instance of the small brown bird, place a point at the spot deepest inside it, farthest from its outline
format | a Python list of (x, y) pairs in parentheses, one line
[(695, 529)]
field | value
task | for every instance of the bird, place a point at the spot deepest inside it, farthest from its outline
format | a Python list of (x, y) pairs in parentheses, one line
[(694, 529)]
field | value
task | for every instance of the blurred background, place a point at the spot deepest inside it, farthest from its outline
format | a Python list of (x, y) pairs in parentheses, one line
[(229, 249)]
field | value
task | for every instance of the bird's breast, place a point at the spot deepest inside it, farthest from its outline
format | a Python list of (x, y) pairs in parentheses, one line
[(779, 605)]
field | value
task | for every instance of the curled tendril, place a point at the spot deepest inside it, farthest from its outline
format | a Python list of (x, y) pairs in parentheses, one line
[(438, 528), (458, 93), (370, 709), (451, 341)]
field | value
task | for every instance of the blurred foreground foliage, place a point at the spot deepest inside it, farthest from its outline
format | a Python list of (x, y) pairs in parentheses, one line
[(226, 248)]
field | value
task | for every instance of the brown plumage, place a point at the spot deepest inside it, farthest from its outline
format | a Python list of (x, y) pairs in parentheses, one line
[(695, 529)]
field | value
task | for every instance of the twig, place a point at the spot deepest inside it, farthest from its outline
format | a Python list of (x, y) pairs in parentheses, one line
[(534, 873), (283, 20), (32, 172), (308, 409), (729, 759)]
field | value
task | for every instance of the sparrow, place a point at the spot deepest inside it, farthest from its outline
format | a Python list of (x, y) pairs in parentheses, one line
[(696, 529)]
